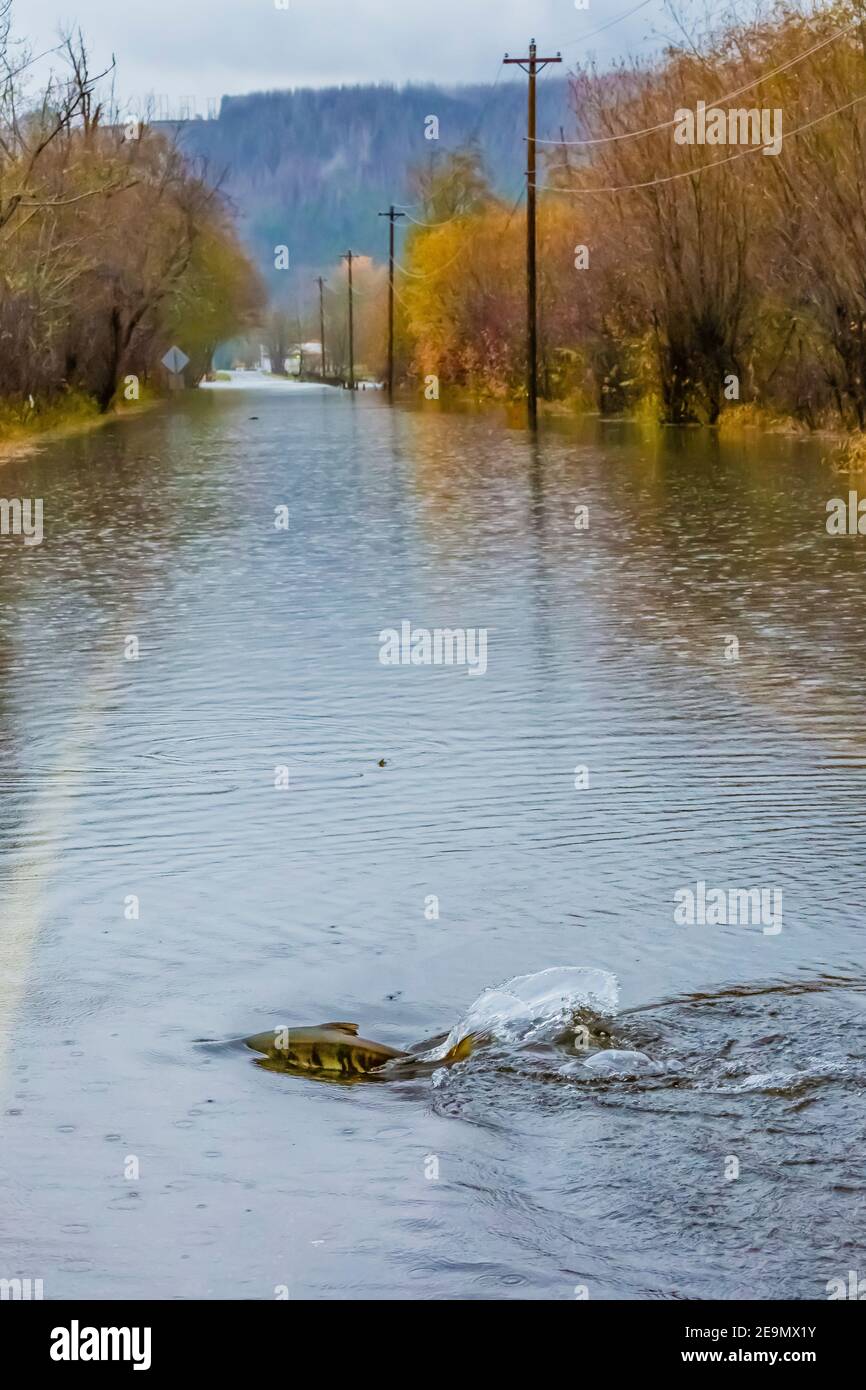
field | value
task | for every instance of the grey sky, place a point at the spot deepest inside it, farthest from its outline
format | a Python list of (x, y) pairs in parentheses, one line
[(205, 48)]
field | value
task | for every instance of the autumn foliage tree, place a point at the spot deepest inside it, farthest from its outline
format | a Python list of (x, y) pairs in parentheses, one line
[(111, 245), (682, 275)]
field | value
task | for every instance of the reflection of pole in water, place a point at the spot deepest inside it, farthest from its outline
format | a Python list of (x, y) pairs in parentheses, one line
[(538, 540)]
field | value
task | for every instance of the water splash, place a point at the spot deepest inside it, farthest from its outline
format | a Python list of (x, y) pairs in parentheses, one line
[(615, 1062), (535, 1008)]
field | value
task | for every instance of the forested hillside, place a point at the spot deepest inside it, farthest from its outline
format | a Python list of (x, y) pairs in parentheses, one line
[(311, 169)]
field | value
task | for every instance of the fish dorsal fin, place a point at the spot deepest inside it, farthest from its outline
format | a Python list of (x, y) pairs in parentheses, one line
[(351, 1028)]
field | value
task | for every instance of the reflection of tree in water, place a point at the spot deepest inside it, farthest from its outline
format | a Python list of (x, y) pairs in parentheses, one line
[(691, 538), (122, 509), (711, 537)]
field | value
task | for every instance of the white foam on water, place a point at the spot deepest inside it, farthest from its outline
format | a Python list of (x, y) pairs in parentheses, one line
[(535, 1008), (783, 1079)]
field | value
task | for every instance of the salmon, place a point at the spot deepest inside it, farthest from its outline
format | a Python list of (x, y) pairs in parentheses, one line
[(335, 1048)]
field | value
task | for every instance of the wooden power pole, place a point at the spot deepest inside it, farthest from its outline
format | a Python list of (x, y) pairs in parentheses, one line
[(348, 258), (321, 284), (392, 215), (532, 65)]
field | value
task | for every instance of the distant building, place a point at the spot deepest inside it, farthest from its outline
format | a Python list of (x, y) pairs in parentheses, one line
[(303, 357)]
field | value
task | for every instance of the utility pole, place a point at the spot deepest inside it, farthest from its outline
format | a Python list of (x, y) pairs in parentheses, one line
[(348, 258), (531, 65), (321, 284), (392, 214)]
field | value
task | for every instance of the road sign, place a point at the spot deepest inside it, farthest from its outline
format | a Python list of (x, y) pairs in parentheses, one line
[(175, 360)]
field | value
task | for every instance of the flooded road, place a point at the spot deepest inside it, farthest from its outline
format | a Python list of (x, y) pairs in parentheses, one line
[(221, 813)]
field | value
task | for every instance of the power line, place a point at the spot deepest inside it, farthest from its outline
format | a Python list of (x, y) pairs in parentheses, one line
[(569, 43), (517, 202), (446, 223), (427, 275), (401, 301), (665, 125), (476, 130), (702, 168), (473, 136), (374, 293)]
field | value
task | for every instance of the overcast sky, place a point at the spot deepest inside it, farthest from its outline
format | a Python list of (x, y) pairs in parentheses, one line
[(205, 48)]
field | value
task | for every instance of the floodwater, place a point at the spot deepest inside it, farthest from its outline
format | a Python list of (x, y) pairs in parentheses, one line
[(160, 885)]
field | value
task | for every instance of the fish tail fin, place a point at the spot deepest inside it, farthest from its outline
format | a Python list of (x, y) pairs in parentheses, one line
[(461, 1050)]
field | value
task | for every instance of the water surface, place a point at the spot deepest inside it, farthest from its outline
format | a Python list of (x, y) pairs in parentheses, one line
[(260, 906)]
